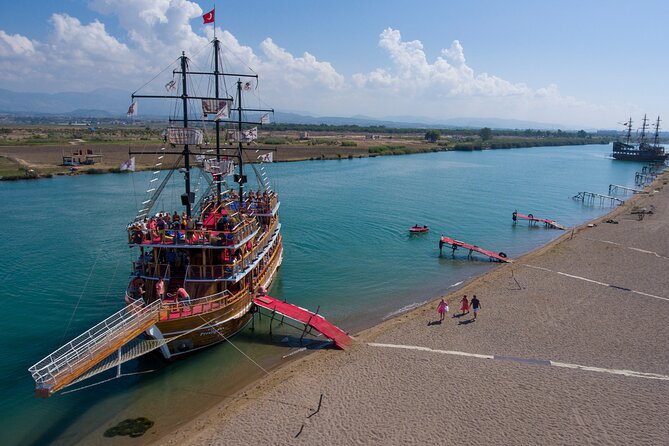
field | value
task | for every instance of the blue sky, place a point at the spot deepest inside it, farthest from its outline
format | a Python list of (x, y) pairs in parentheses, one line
[(586, 64)]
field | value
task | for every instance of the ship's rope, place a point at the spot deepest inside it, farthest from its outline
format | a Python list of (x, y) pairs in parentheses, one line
[(157, 75), (235, 347), (74, 311)]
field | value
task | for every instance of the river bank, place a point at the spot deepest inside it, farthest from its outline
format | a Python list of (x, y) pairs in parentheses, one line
[(22, 162), (570, 347)]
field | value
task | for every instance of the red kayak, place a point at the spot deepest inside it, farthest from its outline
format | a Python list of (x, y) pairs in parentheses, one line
[(418, 229)]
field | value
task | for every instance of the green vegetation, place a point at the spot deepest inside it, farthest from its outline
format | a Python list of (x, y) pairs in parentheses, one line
[(485, 133), (349, 144), (18, 136), (274, 140), (12, 170), (432, 135)]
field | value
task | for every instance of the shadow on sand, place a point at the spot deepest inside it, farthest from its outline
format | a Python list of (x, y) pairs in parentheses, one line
[(468, 321)]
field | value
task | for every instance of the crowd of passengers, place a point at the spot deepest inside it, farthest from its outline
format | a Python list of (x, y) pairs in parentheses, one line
[(156, 226)]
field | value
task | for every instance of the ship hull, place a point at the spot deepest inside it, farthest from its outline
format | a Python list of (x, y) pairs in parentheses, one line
[(206, 328), (646, 153)]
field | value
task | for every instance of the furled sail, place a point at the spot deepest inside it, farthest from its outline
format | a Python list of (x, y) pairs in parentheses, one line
[(181, 136)]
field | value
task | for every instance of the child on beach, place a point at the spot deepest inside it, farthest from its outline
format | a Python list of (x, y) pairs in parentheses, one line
[(464, 305), (442, 309), (476, 306)]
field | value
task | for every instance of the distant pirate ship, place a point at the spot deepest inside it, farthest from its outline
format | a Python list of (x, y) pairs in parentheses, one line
[(643, 150)]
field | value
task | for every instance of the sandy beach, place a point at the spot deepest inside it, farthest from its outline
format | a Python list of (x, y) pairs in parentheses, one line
[(570, 347)]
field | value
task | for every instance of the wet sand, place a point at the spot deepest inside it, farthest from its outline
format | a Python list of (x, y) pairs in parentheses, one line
[(571, 346)]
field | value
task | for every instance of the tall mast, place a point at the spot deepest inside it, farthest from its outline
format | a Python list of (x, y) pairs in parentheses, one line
[(240, 180), (218, 124), (656, 139), (644, 126), (186, 151), (629, 131)]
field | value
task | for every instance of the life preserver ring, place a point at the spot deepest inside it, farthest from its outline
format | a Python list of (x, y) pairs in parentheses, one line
[(502, 255)]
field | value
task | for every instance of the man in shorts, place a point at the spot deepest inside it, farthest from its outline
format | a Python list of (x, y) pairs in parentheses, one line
[(476, 305)]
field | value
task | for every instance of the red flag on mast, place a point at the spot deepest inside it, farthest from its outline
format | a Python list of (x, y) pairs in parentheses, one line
[(209, 17)]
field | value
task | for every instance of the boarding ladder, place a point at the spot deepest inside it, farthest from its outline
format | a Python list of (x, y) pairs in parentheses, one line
[(84, 352)]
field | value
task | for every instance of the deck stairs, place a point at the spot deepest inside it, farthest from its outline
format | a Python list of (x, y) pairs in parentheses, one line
[(76, 358)]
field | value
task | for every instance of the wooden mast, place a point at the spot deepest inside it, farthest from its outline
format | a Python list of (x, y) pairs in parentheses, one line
[(186, 151)]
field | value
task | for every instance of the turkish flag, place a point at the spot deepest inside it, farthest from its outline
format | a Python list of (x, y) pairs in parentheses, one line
[(209, 17)]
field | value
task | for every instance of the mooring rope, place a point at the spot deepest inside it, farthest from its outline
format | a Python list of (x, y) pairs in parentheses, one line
[(236, 348), (88, 279)]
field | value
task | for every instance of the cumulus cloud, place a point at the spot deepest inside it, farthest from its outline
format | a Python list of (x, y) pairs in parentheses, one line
[(15, 45), (82, 56), (449, 87), (76, 56), (449, 75)]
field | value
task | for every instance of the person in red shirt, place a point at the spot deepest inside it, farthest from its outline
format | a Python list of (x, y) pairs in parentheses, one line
[(464, 305)]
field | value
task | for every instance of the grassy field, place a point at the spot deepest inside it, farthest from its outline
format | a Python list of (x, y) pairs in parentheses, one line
[(38, 151)]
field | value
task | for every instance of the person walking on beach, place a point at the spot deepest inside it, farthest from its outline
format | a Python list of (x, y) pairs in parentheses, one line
[(476, 306), (442, 309), (464, 305)]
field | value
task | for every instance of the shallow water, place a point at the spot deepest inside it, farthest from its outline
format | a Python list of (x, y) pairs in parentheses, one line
[(347, 251)]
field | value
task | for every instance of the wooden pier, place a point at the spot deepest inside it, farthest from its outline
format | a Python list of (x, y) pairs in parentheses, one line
[(532, 219), (455, 244), (592, 197)]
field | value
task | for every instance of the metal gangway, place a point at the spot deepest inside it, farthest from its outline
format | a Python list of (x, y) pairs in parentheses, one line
[(74, 359), (591, 197), (644, 179), (614, 188)]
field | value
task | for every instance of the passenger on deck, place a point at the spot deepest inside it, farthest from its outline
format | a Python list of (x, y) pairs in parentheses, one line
[(180, 295), (160, 289)]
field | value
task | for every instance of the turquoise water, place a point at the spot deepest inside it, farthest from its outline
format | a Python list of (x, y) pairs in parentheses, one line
[(346, 251)]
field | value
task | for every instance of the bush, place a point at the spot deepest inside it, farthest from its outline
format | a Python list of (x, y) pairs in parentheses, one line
[(275, 140), (349, 144)]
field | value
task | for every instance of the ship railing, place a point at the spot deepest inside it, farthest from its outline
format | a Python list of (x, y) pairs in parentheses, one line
[(205, 272), (183, 308), (86, 347), (239, 232), (267, 270), (151, 270), (264, 206), (251, 257)]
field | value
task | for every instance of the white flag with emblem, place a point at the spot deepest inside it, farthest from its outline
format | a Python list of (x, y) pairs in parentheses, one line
[(132, 110), (128, 164), (267, 157)]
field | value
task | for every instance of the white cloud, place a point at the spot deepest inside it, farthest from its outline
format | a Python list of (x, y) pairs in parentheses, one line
[(448, 76), (448, 87), (303, 71), (76, 56), (15, 45)]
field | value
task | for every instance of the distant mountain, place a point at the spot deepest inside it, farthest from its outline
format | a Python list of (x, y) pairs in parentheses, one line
[(113, 103), (103, 102), (493, 123)]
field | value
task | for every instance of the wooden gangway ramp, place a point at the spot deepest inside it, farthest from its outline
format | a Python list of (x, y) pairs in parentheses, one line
[(84, 352), (532, 219), (299, 314), (455, 244)]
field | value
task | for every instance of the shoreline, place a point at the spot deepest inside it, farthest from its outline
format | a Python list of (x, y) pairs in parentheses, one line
[(44, 161), (255, 391)]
